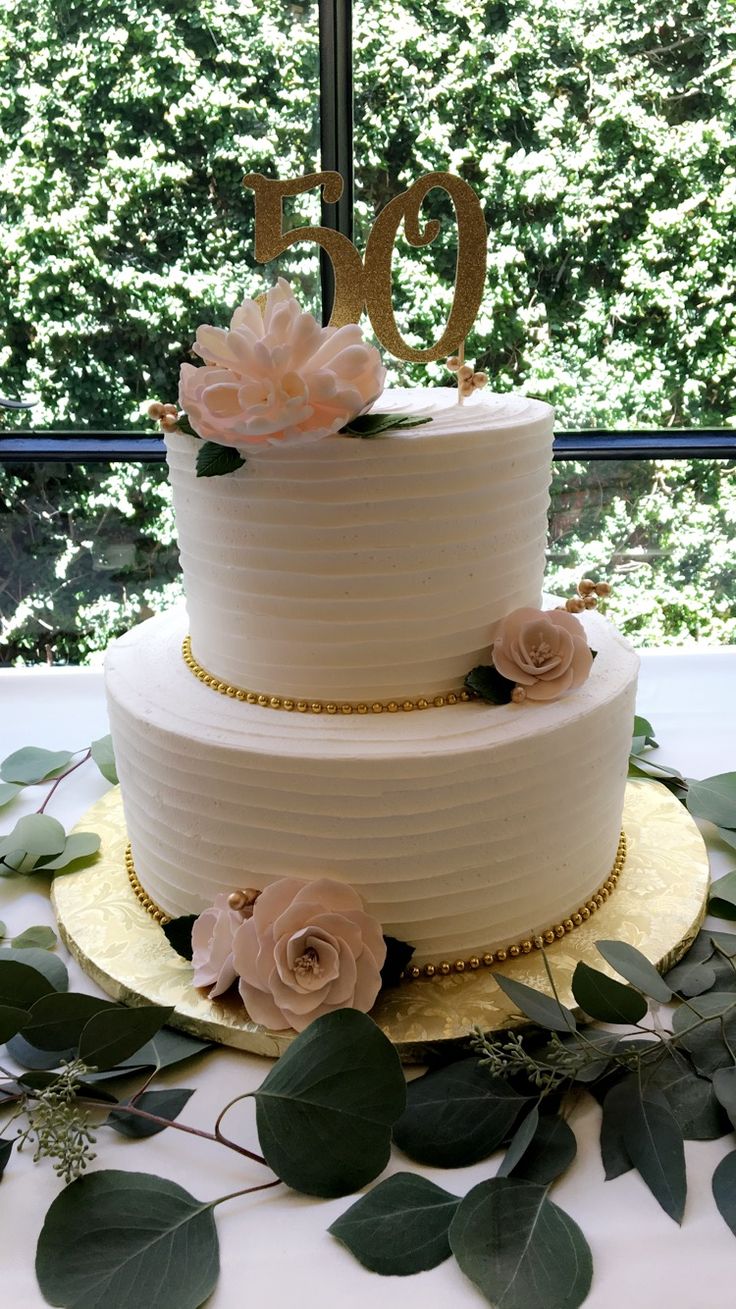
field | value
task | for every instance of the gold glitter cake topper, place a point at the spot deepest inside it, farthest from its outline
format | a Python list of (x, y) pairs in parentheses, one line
[(365, 283)]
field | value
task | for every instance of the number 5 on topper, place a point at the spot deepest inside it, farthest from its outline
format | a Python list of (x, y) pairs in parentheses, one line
[(360, 284)]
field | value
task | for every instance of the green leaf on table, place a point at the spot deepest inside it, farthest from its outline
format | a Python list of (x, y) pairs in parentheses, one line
[(6, 1149), (47, 964), (728, 836), (544, 1010), (43, 938), (116, 1034), (3, 931), (102, 754), (708, 1042), (550, 1151), (714, 798), (325, 1111), (8, 792), (616, 1108), (487, 684), (724, 1086), (400, 1227), (215, 460), (722, 896), (127, 1240), (636, 968), (166, 1049), (165, 1104), (79, 846), (12, 1020), (28, 1056), (519, 1142), (33, 836), (56, 1021), (456, 1115), (642, 736), (724, 1189), (654, 1144), (605, 999), (20, 984), (691, 1098), (519, 1248), (370, 425), (689, 979), (647, 768), (39, 1080), (178, 933), (31, 764)]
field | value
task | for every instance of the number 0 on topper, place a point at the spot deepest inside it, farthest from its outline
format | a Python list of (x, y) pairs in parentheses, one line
[(360, 284)]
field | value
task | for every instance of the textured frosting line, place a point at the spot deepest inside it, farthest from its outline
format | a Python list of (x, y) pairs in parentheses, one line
[(363, 569), (462, 828)]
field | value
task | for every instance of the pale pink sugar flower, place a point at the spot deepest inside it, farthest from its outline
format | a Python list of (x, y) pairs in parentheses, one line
[(278, 377), (308, 949), (545, 652), (212, 946)]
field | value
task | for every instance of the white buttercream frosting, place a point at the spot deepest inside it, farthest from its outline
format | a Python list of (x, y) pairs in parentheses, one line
[(357, 569), (462, 828)]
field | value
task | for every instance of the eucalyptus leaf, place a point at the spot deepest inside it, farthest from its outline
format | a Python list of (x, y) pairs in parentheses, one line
[(47, 964), (127, 1240), (550, 1151), (722, 897), (519, 1248), (20, 983), (714, 798), (12, 1020), (165, 1104), (28, 1056), (215, 460), (643, 735), (325, 1111), (6, 1149), (102, 754), (39, 1080), (724, 1086), (3, 931), (691, 979), (78, 846), (400, 1227), (728, 836), (654, 1143), (724, 1189), (542, 1009), (57, 1020), (604, 998), (166, 1049), (457, 1115), (33, 836), (708, 1043), (519, 1142), (31, 764), (117, 1033), (636, 968), (616, 1108), (691, 1098), (43, 938), (486, 682), (8, 792)]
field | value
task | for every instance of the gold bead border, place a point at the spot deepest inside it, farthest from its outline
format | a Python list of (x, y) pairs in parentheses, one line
[(544, 938), (316, 706), (142, 896)]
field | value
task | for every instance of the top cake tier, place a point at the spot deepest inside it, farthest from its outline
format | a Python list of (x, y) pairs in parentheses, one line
[(360, 570)]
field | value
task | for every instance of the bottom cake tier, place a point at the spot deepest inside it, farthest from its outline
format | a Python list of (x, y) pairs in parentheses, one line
[(464, 828)]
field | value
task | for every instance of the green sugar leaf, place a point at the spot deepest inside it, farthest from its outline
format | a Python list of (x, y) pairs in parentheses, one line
[(519, 1248), (325, 1111), (127, 1240), (457, 1115), (215, 460), (31, 764), (486, 682), (401, 1227), (102, 753), (541, 1009), (165, 1104), (714, 798), (370, 425), (604, 998)]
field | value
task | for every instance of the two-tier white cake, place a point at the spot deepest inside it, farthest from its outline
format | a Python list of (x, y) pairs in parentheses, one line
[(338, 594)]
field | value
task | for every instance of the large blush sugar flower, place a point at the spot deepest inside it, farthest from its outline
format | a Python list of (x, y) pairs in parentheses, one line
[(308, 949), (545, 652), (277, 376), (212, 946)]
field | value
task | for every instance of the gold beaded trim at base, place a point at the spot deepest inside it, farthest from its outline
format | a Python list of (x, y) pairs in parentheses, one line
[(546, 937), (142, 896), (316, 706)]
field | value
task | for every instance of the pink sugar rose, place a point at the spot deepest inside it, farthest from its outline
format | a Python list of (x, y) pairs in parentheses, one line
[(308, 949), (278, 377), (545, 652), (212, 946)]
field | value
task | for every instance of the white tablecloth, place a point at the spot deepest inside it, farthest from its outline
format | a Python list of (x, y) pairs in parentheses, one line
[(275, 1249)]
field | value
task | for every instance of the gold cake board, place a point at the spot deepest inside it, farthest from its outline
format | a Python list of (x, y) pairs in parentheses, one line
[(657, 906)]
